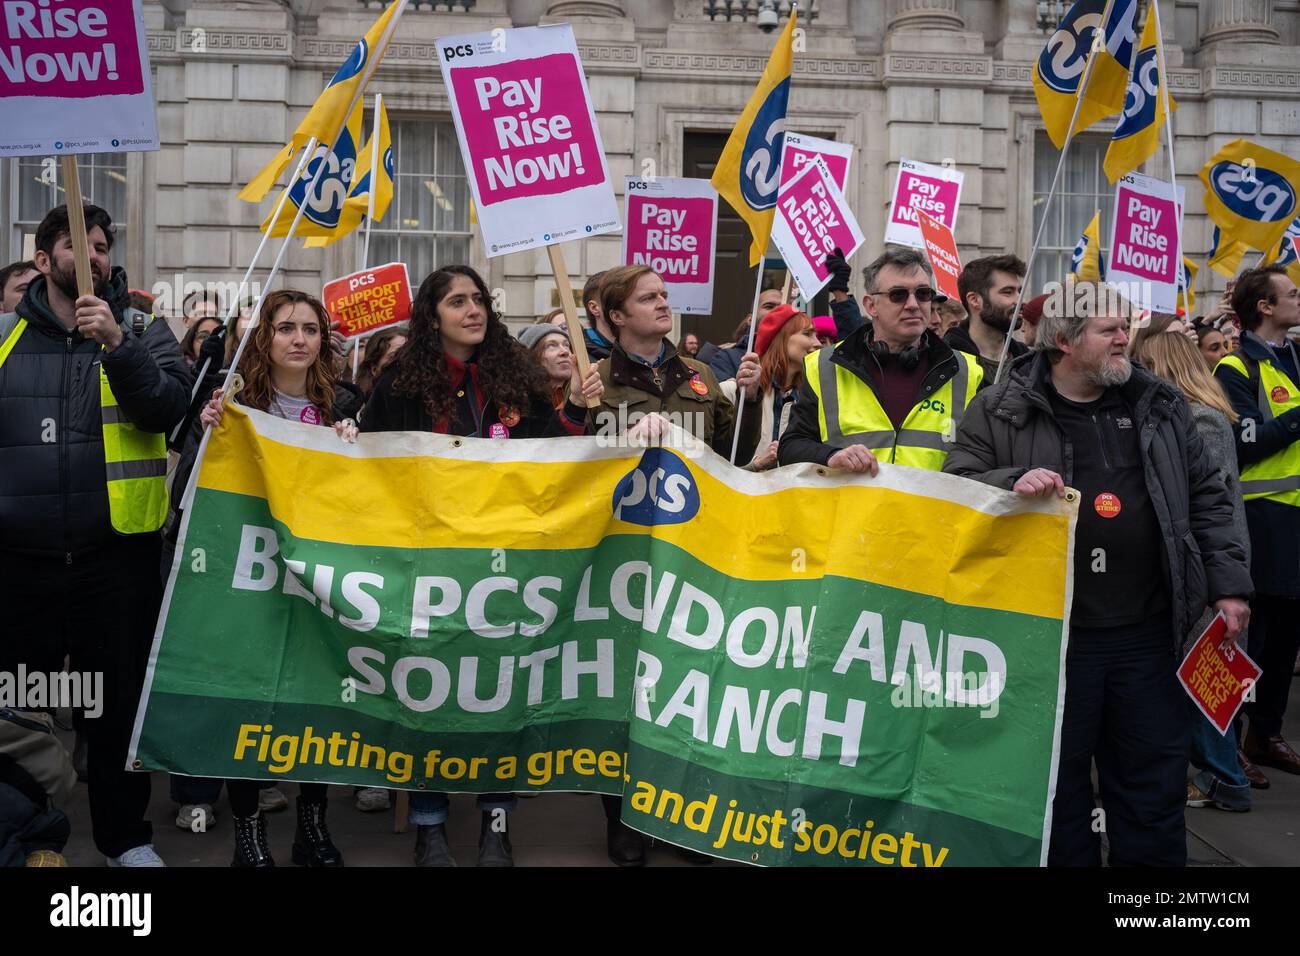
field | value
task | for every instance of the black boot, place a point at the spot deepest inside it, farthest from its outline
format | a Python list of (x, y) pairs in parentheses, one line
[(431, 846), (494, 847), (312, 845), (250, 842), (626, 846)]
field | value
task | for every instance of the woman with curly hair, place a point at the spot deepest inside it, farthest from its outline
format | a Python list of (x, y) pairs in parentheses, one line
[(463, 373), (288, 372)]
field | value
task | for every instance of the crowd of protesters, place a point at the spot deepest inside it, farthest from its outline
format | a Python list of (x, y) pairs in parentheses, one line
[(1181, 435)]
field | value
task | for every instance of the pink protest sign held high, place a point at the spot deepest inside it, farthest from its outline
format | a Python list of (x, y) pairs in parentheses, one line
[(671, 227), (1144, 242), (812, 220), (800, 150), (528, 137), (934, 190), (78, 75)]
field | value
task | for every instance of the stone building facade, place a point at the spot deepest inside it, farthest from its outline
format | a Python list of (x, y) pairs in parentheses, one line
[(930, 80)]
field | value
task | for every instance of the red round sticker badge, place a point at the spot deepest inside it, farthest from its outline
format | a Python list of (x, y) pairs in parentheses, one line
[(698, 386), (509, 417), (498, 431), (310, 415), (1107, 505), (1280, 394)]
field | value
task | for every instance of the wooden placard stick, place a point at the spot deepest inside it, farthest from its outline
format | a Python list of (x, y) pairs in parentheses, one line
[(565, 290), (77, 226), (785, 288)]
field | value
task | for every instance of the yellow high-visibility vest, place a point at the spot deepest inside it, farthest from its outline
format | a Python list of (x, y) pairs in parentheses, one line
[(135, 461), (1276, 477), (848, 413)]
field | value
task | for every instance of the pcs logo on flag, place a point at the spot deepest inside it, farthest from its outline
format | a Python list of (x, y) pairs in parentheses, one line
[(760, 164), (659, 490), (1256, 193)]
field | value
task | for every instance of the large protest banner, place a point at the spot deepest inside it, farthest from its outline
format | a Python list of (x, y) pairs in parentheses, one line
[(672, 227), (78, 75), (792, 667), (528, 137)]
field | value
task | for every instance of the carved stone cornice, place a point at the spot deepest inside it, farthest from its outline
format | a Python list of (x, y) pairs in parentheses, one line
[(695, 65), (937, 69), (237, 44)]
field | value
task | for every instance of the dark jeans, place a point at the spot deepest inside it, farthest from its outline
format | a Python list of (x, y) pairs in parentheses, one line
[(1124, 708), (100, 611), (1273, 643), (243, 795)]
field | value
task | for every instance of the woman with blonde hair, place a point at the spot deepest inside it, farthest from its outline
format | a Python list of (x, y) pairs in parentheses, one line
[(1222, 781)]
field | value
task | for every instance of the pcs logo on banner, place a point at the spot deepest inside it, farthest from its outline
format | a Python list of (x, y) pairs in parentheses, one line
[(659, 490), (760, 165), (1253, 192)]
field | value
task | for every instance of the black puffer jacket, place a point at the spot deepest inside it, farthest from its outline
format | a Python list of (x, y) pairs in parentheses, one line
[(1010, 428), (53, 496)]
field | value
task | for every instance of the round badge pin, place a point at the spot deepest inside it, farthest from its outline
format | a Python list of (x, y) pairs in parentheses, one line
[(509, 417), (1280, 394), (310, 415), (698, 386), (1107, 505), (498, 431)]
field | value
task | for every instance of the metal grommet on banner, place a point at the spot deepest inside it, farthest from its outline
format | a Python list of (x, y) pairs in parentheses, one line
[(421, 786), (137, 764), (236, 385), (1071, 496), (821, 471), (753, 858), (456, 443)]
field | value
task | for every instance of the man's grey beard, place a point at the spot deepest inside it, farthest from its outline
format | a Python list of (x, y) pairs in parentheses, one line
[(1109, 376)]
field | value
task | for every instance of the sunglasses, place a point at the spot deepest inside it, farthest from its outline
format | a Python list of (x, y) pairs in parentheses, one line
[(900, 296)]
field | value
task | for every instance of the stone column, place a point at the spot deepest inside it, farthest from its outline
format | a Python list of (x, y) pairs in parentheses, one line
[(1239, 21), (1020, 37), (559, 9), (924, 15)]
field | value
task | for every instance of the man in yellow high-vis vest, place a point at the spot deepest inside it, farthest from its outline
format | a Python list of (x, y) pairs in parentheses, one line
[(1262, 379), (89, 388), (891, 391)]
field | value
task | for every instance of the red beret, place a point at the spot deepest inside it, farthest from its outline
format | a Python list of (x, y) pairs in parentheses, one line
[(1032, 311), (771, 325)]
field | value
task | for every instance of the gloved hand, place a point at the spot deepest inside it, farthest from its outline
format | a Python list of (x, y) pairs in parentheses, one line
[(213, 350), (840, 271)]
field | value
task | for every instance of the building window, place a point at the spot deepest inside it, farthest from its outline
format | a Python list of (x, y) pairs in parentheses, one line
[(36, 189), (427, 225), (1083, 190)]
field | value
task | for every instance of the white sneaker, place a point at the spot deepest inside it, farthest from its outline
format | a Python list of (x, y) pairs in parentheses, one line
[(137, 856), (196, 817), (271, 800), (372, 799)]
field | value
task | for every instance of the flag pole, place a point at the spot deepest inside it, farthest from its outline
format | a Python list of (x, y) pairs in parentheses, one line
[(1098, 44), (233, 308), (749, 347), (187, 498), (1179, 283), (374, 181)]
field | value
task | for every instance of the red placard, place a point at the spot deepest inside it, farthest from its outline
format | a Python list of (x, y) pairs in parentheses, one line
[(368, 301), (941, 247), (1217, 675)]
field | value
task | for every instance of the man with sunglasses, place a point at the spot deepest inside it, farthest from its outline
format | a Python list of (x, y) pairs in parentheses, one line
[(891, 391)]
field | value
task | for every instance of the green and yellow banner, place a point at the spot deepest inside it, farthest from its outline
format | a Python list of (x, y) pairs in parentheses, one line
[(798, 667)]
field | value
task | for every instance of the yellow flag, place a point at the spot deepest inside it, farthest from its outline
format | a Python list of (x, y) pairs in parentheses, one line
[(1225, 257), (323, 208), (330, 110), (357, 206), (1251, 194), (749, 172), (1137, 135), (1061, 64), (1086, 262), (1107, 88), (1187, 294)]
